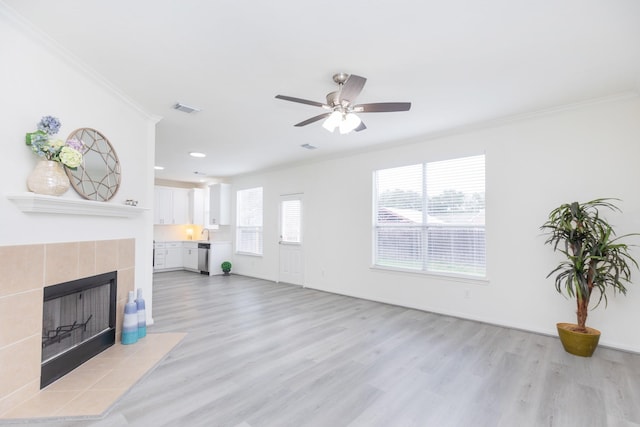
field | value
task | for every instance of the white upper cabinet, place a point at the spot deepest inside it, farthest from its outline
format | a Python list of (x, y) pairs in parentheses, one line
[(196, 206), (170, 205), (180, 206), (163, 206), (219, 205)]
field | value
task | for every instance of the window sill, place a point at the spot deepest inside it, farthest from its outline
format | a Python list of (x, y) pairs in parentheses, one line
[(249, 254), (441, 276)]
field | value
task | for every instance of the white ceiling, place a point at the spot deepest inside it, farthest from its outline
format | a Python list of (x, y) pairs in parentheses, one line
[(459, 62)]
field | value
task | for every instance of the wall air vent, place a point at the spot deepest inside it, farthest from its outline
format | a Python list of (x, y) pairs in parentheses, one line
[(185, 108)]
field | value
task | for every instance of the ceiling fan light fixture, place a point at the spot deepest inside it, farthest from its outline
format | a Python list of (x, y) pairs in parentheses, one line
[(349, 123), (333, 121)]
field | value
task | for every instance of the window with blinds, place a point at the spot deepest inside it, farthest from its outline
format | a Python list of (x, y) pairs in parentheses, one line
[(430, 217), (249, 221), (290, 221)]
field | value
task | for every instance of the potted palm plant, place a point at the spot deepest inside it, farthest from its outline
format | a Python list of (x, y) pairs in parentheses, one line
[(595, 260)]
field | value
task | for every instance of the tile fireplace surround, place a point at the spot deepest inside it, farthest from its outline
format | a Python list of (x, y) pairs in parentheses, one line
[(25, 271)]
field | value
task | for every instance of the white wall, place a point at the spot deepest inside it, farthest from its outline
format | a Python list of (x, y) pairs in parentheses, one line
[(533, 165), (36, 79)]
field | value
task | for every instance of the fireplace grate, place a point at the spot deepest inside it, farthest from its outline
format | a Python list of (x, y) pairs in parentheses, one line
[(62, 332)]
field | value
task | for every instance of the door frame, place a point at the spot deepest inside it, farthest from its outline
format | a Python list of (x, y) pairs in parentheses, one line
[(290, 245)]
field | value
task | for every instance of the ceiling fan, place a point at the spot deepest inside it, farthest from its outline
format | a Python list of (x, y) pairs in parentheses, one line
[(342, 108)]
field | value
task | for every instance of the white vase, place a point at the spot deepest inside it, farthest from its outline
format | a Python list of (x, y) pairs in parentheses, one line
[(48, 177)]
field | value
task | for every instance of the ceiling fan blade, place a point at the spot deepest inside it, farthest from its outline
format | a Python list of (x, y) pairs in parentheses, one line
[(313, 119), (352, 88), (382, 107), (300, 100), (360, 127)]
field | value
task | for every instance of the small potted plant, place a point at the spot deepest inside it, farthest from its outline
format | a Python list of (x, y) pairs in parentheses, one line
[(595, 260), (226, 267)]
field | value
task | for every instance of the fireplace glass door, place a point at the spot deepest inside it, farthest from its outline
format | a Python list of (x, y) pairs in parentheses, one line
[(78, 322), (74, 318)]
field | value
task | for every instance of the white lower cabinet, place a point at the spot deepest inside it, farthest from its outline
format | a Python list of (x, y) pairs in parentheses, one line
[(190, 256), (220, 252), (183, 255), (173, 259), (159, 251), (168, 256)]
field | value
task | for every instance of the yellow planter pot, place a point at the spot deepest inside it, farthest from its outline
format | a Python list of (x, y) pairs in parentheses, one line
[(578, 343)]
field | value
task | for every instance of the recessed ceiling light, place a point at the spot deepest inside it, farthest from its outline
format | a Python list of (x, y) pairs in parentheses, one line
[(185, 108), (196, 154), (158, 168)]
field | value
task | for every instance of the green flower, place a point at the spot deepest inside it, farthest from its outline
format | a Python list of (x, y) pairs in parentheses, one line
[(69, 157)]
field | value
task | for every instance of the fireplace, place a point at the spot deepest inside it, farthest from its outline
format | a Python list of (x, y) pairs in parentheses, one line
[(78, 322)]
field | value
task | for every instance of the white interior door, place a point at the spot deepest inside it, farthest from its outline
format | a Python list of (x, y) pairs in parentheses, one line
[(291, 251)]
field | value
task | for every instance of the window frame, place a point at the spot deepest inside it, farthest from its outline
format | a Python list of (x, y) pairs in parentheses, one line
[(281, 220), (423, 228), (253, 228)]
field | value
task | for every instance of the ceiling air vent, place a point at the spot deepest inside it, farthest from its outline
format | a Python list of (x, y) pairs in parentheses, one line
[(185, 108)]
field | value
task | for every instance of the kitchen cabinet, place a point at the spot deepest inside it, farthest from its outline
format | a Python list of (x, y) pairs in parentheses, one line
[(173, 257), (196, 206), (190, 256), (219, 205), (183, 255), (180, 206), (159, 249), (170, 205), (167, 256), (163, 205), (220, 252)]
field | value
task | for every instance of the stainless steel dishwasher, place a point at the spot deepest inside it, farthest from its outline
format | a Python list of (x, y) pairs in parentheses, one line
[(203, 257)]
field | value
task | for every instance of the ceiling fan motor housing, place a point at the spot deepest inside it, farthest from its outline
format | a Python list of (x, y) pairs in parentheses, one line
[(340, 78), (333, 98)]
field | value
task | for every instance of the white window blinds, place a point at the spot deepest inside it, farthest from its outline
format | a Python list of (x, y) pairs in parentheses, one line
[(249, 221), (290, 220), (430, 217)]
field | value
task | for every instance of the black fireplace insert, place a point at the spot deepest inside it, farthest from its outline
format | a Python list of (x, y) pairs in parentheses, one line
[(78, 322)]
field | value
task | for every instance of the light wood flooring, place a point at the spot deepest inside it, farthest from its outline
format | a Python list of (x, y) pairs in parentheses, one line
[(261, 354)]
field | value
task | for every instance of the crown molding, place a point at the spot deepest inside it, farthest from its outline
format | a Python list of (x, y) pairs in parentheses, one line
[(26, 27)]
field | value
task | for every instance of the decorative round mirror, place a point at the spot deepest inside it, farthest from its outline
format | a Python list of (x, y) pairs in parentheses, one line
[(98, 176)]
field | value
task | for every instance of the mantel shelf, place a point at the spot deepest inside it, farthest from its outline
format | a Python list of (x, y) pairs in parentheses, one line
[(36, 203)]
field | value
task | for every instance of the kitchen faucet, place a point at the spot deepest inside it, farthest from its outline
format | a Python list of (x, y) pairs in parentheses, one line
[(202, 233)]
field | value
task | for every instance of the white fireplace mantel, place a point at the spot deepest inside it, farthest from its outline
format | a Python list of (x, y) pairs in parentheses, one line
[(37, 203)]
